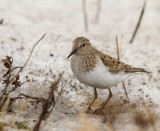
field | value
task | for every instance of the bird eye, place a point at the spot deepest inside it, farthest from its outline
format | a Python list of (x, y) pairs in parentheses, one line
[(84, 44)]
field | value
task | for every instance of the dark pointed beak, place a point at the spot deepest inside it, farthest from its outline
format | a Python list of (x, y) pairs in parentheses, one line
[(72, 52)]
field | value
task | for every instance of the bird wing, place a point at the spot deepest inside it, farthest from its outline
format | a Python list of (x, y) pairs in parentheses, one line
[(116, 66)]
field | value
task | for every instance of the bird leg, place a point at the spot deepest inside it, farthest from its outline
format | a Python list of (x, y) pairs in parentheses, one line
[(95, 97), (104, 104)]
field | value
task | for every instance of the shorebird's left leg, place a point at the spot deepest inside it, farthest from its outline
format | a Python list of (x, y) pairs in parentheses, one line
[(99, 110), (95, 97)]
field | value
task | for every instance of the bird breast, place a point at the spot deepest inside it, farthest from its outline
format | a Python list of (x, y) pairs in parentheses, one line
[(95, 73)]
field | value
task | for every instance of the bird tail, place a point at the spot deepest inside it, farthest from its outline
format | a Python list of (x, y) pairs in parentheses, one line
[(140, 70)]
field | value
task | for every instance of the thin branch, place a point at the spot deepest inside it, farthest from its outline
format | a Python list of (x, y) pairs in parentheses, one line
[(15, 79), (118, 57), (59, 94), (139, 22), (28, 57), (117, 48), (85, 15), (1, 21), (8, 61), (124, 87), (15, 68), (47, 103), (32, 97), (98, 10)]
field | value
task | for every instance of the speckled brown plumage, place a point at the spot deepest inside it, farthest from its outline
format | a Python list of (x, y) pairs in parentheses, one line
[(86, 58), (84, 64), (96, 69), (116, 66)]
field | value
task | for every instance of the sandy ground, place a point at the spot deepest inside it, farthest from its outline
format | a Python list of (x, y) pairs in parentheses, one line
[(25, 22)]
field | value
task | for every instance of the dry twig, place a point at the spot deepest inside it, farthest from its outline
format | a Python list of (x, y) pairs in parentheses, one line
[(48, 104), (6, 77), (21, 96), (1, 21), (85, 15), (29, 56), (59, 94), (98, 10), (118, 57), (139, 22), (38, 99), (15, 80)]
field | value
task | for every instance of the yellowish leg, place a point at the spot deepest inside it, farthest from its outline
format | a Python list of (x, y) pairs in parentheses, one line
[(95, 97), (99, 110)]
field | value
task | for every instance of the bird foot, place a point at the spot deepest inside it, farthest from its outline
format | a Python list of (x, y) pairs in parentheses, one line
[(89, 110), (99, 111)]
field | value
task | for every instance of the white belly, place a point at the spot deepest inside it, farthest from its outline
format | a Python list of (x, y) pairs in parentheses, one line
[(100, 77)]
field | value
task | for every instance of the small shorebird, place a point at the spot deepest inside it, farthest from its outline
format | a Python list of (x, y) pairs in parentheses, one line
[(98, 70)]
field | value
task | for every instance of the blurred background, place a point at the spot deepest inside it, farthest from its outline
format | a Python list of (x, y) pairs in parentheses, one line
[(104, 17)]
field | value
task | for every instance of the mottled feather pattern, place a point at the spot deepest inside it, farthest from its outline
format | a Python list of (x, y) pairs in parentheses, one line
[(96, 69), (116, 66), (87, 58), (84, 63), (87, 61)]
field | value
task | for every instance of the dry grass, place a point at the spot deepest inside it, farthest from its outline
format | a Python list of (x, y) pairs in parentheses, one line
[(85, 15)]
